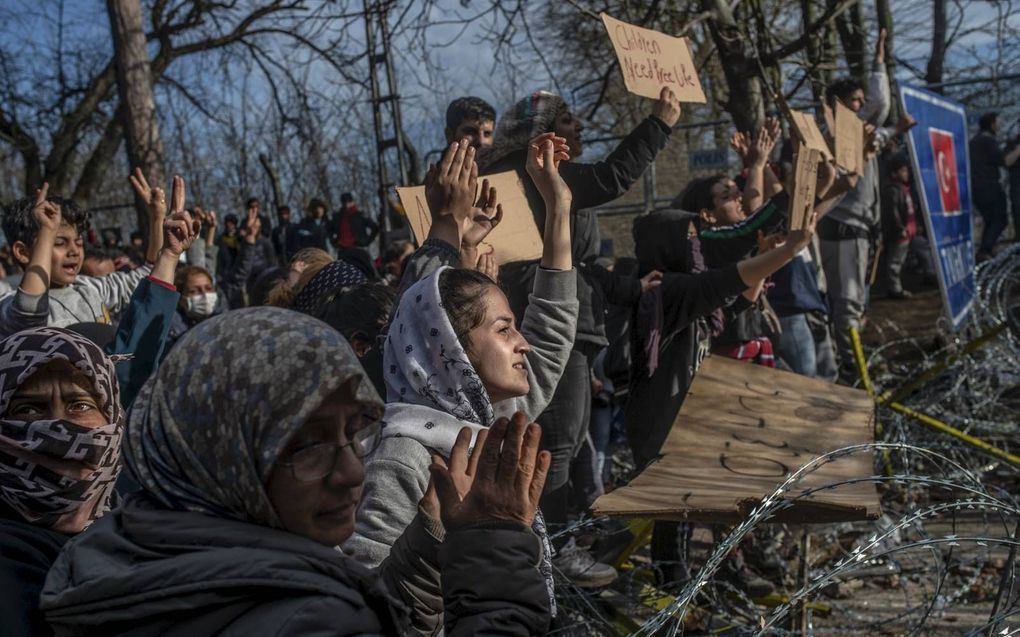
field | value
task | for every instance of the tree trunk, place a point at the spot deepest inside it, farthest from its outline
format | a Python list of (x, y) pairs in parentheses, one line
[(885, 21), (814, 52), (744, 103), (851, 33), (274, 181), (138, 106), (937, 60), (99, 161)]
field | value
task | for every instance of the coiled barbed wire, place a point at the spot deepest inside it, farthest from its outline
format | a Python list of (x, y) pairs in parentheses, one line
[(928, 479)]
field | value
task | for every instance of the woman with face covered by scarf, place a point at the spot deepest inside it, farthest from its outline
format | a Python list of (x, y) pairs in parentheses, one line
[(454, 358), (60, 431), (248, 485)]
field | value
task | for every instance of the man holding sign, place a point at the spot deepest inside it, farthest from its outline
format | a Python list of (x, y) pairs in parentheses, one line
[(592, 185), (847, 233)]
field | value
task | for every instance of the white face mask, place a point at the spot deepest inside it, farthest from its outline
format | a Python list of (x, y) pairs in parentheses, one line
[(201, 305)]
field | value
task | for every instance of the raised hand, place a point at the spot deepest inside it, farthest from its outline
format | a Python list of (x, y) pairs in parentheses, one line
[(252, 226), (797, 240), (154, 197), (770, 242), (179, 232), (667, 108), (740, 145), (760, 148), (487, 266), (545, 153), (501, 480), (485, 216), (450, 190), (46, 213), (825, 178), (880, 48), (180, 228)]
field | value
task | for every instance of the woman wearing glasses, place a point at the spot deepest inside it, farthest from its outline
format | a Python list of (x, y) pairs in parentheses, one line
[(248, 444)]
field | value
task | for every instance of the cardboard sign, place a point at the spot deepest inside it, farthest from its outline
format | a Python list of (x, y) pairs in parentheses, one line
[(742, 430), (516, 238), (806, 128), (938, 150), (805, 181), (849, 133), (651, 60)]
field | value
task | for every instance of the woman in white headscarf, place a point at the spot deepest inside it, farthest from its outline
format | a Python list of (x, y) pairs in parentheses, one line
[(454, 358)]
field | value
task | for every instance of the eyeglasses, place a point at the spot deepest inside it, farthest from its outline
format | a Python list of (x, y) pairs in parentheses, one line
[(318, 461)]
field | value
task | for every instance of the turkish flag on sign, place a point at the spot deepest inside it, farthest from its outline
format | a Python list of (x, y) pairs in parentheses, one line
[(943, 152)]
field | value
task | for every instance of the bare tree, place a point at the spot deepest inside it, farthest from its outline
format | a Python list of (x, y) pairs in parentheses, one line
[(138, 107)]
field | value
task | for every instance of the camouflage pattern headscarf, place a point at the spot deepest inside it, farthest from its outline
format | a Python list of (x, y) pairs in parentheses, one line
[(207, 428), (55, 473)]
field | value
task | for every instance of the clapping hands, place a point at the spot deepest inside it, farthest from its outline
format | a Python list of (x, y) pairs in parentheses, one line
[(502, 479)]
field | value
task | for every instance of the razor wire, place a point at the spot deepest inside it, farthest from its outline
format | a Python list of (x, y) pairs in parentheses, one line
[(927, 480)]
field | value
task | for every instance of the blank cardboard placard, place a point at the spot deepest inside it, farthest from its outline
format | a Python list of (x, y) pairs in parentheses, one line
[(516, 238), (651, 60), (807, 130), (805, 181), (742, 430), (849, 134)]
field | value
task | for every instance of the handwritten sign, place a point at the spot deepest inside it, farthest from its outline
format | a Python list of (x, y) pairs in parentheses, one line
[(651, 60), (516, 238), (806, 128), (805, 181), (742, 430), (849, 132)]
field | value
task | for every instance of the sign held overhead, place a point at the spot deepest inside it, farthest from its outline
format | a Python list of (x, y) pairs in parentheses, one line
[(651, 60)]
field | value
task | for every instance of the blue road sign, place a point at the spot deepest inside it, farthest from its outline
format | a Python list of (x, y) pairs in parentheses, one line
[(938, 149)]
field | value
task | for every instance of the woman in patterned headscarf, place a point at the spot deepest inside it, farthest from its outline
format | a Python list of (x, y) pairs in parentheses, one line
[(248, 484), (60, 431)]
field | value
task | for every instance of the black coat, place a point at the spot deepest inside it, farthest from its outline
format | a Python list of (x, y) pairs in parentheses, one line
[(688, 297), (284, 238), (591, 185), (143, 571), (895, 210), (311, 234), (26, 554)]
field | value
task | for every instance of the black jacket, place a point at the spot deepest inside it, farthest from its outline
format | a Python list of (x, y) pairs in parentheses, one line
[(688, 297), (284, 238), (26, 554), (894, 212), (311, 234), (143, 571), (591, 185)]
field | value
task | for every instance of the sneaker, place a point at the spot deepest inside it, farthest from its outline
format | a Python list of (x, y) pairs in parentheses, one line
[(900, 295), (577, 565)]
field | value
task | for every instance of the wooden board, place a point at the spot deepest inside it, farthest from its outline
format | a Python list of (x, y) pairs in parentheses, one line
[(805, 182), (742, 430), (516, 238), (651, 60), (806, 128), (849, 133)]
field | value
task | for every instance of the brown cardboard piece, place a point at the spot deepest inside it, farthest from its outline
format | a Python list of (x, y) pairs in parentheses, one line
[(805, 181), (849, 133), (651, 60), (516, 238), (806, 128), (742, 430)]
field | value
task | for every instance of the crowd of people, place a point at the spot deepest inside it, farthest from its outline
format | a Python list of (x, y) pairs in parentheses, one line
[(241, 425)]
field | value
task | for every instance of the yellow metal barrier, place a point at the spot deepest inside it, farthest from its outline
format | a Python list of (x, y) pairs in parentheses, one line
[(925, 419)]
